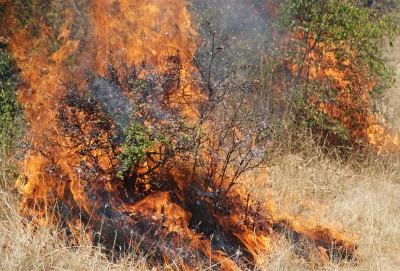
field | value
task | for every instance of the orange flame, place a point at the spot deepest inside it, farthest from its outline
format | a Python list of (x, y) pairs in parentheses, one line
[(351, 93)]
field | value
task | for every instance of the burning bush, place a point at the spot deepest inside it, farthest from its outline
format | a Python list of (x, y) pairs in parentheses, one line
[(125, 125), (333, 69)]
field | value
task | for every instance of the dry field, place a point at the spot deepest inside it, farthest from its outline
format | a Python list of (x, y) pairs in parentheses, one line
[(358, 197)]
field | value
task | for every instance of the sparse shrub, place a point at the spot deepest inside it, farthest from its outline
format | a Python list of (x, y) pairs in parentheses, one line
[(133, 118), (127, 119)]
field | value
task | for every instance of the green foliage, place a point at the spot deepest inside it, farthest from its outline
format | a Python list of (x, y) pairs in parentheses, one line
[(28, 11), (143, 145), (330, 56), (309, 118), (9, 107), (138, 142)]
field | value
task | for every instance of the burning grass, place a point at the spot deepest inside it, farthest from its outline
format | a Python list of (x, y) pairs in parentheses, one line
[(361, 197), (357, 194)]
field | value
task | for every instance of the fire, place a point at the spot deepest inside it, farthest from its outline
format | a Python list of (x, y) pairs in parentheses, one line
[(67, 179), (352, 104)]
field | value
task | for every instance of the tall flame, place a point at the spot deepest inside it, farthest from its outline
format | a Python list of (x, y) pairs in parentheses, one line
[(127, 30)]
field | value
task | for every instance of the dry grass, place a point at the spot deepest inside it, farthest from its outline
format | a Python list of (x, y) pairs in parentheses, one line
[(360, 196), (45, 248)]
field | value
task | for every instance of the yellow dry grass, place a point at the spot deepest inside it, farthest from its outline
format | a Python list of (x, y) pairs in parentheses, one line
[(360, 196)]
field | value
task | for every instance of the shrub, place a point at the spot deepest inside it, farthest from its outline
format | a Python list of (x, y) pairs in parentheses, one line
[(127, 119), (9, 107), (330, 64)]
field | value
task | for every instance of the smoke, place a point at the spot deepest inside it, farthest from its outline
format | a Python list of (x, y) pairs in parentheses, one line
[(241, 33), (114, 102)]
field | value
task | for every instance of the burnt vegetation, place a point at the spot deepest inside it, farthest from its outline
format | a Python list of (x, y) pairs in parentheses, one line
[(131, 125), (128, 130), (124, 126)]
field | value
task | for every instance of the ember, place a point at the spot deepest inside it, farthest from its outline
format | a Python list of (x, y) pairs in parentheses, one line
[(143, 155)]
